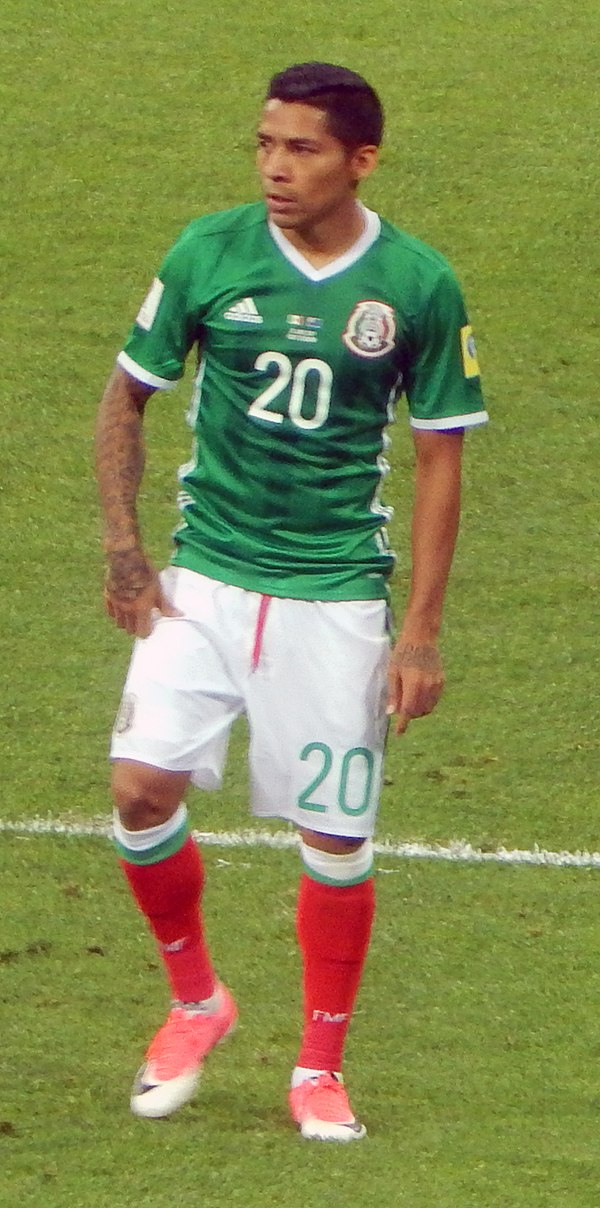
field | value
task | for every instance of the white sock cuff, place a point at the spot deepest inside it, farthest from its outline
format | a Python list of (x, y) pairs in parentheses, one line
[(153, 836), (349, 869), (300, 1074)]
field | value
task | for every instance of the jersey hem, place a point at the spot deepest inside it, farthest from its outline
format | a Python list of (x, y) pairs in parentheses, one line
[(143, 375), (285, 590)]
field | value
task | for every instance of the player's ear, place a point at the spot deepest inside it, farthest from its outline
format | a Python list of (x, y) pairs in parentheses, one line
[(364, 160)]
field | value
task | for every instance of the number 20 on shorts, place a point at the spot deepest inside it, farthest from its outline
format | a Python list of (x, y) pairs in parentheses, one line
[(353, 777)]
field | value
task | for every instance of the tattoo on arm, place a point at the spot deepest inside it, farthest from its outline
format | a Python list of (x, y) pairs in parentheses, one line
[(128, 573), (421, 658), (119, 470)]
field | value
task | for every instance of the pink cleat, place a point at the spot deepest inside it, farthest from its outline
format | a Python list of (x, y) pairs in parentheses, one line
[(320, 1106), (171, 1072)]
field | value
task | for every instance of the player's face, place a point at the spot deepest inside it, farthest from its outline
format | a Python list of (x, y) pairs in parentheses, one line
[(307, 175)]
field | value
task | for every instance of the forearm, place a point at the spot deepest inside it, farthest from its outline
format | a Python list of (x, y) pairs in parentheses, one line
[(119, 470), (435, 524)]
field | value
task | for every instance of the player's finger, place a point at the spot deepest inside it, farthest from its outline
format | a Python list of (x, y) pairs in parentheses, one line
[(403, 720), (116, 614), (394, 691), (126, 618), (167, 609), (145, 621), (130, 623), (108, 604)]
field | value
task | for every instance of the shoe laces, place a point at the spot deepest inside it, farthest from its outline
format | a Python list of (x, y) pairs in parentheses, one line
[(175, 1046), (328, 1099)]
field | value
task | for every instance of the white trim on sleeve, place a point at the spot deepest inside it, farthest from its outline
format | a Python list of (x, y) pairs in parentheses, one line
[(144, 375), (450, 421)]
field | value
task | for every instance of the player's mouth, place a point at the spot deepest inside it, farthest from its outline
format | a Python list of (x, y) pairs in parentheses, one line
[(279, 204)]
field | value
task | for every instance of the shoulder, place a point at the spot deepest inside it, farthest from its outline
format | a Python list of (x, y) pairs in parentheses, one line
[(202, 244), (421, 257), (422, 276), (222, 224)]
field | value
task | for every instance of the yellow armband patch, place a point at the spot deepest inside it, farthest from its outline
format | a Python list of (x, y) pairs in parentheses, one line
[(469, 352)]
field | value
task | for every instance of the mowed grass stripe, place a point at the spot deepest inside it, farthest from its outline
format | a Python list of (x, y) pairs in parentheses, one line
[(456, 851)]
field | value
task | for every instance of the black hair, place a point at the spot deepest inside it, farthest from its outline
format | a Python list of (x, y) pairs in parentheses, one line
[(354, 111)]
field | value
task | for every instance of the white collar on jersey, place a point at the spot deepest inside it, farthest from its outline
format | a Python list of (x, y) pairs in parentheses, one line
[(370, 233)]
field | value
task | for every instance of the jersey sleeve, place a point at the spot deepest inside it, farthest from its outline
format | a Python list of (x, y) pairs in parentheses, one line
[(165, 327), (442, 382)]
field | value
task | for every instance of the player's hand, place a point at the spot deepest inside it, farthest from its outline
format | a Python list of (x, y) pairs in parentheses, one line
[(415, 681), (133, 594)]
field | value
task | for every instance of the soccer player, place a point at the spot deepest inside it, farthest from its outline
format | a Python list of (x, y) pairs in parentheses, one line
[(311, 316)]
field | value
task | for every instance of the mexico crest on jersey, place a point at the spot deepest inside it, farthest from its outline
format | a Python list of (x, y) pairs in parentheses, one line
[(371, 329)]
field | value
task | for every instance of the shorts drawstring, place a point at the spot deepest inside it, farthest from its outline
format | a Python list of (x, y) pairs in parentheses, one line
[(261, 619)]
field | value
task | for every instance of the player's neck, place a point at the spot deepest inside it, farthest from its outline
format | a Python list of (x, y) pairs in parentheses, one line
[(330, 238)]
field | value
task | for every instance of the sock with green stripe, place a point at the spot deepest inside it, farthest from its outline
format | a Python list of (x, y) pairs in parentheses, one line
[(163, 867), (334, 927)]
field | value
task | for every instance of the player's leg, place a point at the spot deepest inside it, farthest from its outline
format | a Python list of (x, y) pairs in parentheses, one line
[(317, 760), (163, 866), (336, 904), (173, 724)]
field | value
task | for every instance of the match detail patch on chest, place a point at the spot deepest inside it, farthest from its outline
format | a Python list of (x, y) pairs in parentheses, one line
[(371, 329)]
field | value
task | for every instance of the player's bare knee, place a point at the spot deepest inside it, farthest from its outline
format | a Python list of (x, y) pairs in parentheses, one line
[(145, 796), (336, 845)]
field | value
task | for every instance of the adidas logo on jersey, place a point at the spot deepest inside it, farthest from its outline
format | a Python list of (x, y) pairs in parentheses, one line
[(244, 312)]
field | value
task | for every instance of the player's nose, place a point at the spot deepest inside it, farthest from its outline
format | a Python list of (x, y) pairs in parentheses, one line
[(277, 165)]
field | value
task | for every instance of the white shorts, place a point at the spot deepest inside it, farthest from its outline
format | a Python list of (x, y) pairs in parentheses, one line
[(310, 677)]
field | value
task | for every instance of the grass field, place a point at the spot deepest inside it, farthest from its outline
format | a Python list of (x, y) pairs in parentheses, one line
[(474, 1054)]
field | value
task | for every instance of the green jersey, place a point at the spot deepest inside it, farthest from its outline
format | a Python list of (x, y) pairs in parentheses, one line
[(298, 372)]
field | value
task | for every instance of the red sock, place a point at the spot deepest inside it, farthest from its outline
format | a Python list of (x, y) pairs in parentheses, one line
[(334, 927), (168, 893)]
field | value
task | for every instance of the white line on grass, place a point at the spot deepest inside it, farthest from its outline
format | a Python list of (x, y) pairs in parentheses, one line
[(455, 852)]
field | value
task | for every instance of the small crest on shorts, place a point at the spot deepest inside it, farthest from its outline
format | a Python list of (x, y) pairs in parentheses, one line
[(126, 712), (371, 329)]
